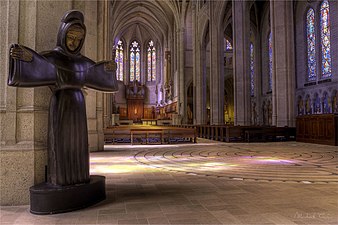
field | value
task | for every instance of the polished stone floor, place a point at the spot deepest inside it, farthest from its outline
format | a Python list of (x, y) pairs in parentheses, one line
[(208, 183)]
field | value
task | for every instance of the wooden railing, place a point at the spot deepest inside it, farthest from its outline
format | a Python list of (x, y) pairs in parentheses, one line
[(225, 133), (144, 134), (229, 133), (320, 129)]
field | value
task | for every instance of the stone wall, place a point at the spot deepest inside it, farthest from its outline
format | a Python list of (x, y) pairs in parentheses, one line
[(313, 97), (24, 111)]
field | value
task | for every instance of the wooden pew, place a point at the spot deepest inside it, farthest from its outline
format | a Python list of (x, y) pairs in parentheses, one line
[(146, 134), (230, 133), (177, 132), (234, 133), (270, 133), (289, 133), (128, 134), (122, 134), (255, 133)]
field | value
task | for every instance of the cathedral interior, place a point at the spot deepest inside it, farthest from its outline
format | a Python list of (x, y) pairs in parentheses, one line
[(214, 66)]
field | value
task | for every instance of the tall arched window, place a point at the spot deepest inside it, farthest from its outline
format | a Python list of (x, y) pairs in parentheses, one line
[(270, 61), (252, 70), (134, 61), (119, 61), (311, 45), (325, 39), (151, 62)]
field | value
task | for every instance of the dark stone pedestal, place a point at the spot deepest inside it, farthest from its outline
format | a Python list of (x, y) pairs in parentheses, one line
[(49, 199)]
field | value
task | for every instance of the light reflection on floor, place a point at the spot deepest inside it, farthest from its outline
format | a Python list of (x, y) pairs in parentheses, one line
[(267, 160), (151, 146), (122, 164), (116, 165), (209, 159), (206, 184)]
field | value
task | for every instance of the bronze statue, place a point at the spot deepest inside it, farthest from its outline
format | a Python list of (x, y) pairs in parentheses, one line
[(66, 71)]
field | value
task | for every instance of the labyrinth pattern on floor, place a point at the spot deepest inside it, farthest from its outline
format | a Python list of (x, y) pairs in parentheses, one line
[(248, 162)]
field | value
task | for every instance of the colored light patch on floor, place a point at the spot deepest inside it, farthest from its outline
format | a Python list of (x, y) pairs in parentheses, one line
[(173, 193), (213, 166), (116, 165), (268, 160), (245, 162), (116, 159)]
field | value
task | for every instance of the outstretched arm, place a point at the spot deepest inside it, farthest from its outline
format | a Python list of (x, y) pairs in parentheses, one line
[(29, 69), (102, 77)]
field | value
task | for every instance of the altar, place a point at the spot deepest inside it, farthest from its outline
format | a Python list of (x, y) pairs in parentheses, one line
[(149, 121), (135, 93)]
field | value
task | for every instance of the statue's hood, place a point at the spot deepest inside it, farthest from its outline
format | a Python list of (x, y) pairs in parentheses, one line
[(70, 18)]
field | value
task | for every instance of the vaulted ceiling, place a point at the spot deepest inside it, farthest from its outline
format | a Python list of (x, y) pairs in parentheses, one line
[(154, 18)]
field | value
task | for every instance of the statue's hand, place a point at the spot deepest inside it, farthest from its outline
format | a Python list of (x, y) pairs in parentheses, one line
[(20, 53), (110, 66)]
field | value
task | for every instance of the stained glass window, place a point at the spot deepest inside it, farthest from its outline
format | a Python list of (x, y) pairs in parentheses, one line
[(153, 74), (151, 62), (325, 39), (252, 69), (311, 45), (228, 45), (270, 61), (134, 61), (119, 61), (132, 66), (137, 66)]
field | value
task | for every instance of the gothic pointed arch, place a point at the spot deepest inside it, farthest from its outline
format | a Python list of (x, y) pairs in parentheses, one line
[(270, 61), (205, 70), (252, 60), (135, 61), (252, 69), (311, 45), (151, 61), (325, 39), (119, 59)]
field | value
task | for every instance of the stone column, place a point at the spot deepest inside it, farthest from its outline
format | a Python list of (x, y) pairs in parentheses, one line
[(182, 96), (198, 80), (166, 65), (107, 49), (93, 46), (104, 52), (241, 30), (283, 69), (126, 54), (93, 49), (166, 80), (24, 111), (216, 68), (175, 59)]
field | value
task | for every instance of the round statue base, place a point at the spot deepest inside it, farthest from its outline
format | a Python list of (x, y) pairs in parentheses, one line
[(46, 198)]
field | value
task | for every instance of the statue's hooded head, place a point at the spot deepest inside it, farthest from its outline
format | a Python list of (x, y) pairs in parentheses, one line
[(72, 32)]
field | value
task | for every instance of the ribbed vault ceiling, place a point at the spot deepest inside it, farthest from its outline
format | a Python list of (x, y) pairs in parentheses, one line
[(155, 17)]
